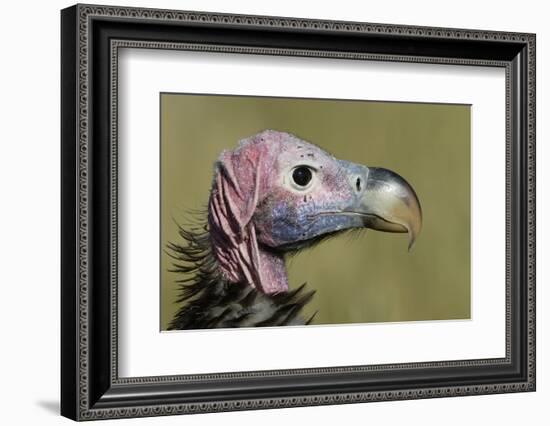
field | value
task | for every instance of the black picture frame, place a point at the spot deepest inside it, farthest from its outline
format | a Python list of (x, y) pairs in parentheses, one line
[(90, 386)]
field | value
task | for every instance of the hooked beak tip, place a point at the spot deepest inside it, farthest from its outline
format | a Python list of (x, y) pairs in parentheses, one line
[(392, 204), (412, 240)]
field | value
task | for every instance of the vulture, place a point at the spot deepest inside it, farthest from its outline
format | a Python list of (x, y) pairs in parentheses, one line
[(272, 196)]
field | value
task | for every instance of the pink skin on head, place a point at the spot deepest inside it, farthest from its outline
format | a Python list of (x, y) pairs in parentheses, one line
[(288, 213), (254, 206)]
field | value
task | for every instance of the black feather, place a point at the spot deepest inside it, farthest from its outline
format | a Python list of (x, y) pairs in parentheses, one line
[(208, 300)]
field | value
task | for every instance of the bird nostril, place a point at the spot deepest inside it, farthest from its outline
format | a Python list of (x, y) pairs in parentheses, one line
[(358, 184)]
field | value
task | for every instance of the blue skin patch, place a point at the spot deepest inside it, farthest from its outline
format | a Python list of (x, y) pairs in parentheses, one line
[(291, 225)]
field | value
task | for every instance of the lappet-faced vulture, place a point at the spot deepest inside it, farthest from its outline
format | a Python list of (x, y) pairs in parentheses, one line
[(273, 195)]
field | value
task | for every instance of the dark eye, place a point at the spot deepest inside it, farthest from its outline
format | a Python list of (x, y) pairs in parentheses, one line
[(301, 175)]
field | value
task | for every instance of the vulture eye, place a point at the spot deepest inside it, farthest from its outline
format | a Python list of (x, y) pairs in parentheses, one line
[(302, 176)]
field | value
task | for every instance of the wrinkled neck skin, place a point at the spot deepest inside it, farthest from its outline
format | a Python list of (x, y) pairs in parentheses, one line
[(242, 258), (242, 178)]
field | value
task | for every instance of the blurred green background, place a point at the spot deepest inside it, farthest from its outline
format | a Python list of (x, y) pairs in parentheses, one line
[(368, 278)]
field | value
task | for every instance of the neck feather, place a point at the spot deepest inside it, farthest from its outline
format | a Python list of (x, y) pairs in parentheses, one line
[(209, 300)]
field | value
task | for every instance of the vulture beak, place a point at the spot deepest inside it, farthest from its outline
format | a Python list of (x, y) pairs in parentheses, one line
[(387, 202)]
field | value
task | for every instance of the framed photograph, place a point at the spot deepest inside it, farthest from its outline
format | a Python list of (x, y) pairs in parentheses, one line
[(263, 212)]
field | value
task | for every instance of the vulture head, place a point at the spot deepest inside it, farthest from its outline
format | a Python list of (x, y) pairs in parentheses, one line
[(273, 195)]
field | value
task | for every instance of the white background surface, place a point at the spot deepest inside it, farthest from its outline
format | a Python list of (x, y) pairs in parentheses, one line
[(29, 214), (143, 351)]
